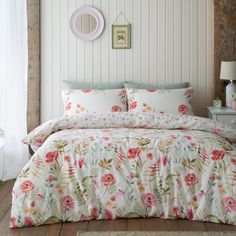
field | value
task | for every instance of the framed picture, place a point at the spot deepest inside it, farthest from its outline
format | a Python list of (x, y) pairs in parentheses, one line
[(121, 36)]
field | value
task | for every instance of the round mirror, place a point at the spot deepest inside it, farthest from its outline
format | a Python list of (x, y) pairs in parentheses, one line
[(87, 23)]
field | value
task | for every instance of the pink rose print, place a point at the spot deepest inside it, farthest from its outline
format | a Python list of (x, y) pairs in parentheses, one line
[(67, 158), (94, 212), (233, 161), (134, 152), (108, 214), (133, 105), (151, 90), (149, 200), (183, 109), (67, 202), (13, 222), (188, 137), (213, 177), (190, 214), (150, 156), (108, 180), (116, 109), (164, 160), (229, 204), (176, 211), (81, 162), (217, 155), (51, 156), (68, 106), (28, 221), (86, 90), (26, 186), (191, 179)]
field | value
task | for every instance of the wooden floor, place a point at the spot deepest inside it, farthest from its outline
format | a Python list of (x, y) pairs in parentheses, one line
[(101, 225)]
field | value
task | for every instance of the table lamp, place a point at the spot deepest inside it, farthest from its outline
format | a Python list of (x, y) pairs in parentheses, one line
[(228, 72)]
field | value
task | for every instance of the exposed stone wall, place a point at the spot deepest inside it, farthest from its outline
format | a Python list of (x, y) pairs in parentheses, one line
[(33, 107), (224, 39)]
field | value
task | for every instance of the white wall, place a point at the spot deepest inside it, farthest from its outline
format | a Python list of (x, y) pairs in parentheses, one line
[(171, 42)]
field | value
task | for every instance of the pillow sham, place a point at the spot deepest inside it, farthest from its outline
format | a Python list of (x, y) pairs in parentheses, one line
[(152, 86), (174, 101), (101, 86), (89, 100)]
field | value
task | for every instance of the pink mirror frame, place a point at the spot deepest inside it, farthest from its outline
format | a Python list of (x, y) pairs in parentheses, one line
[(99, 20)]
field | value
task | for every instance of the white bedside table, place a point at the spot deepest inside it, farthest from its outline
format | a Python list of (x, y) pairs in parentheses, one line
[(224, 115)]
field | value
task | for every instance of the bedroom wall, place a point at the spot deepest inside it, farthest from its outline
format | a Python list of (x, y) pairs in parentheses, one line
[(171, 42)]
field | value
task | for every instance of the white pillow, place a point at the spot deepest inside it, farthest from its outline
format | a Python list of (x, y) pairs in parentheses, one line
[(173, 101), (89, 100)]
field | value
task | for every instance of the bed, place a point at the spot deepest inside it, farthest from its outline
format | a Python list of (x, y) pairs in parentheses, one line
[(127, 165)]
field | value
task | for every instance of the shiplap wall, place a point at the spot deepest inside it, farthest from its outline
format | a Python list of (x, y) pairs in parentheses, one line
[(171, 42)]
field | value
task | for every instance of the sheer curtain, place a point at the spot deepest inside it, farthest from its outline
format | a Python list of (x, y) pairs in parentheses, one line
[(13, 86)]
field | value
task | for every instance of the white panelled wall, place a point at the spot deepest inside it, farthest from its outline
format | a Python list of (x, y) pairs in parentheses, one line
[(171, 42)]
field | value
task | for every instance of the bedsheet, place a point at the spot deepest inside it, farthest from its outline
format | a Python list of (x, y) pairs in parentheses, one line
[(125, 165)]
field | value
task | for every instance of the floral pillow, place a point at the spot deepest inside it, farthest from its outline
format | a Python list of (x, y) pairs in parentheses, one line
[(89, 100), (174, 101)]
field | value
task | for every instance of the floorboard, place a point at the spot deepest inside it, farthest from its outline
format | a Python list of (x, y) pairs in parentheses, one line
[(70, 229)]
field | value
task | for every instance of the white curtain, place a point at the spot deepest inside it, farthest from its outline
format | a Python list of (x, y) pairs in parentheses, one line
[(13, 86)]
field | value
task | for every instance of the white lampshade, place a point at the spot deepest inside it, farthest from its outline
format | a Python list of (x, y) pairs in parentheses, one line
[(228, 70)]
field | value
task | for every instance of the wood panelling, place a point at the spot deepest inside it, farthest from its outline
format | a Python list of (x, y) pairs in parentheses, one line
[(224, 39), (33, 100), (171, 42)]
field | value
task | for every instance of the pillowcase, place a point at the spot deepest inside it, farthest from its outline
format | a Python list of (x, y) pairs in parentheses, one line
[(101, 86), (89, 100), (174, 101), (152, 86)]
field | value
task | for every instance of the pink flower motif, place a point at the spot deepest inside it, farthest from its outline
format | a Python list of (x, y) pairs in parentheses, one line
[(13, 222), (81, 162), (191, 179), (39, 140), (188, 137), (109, 145), (134, 152), (151, 90), (86, 90), (233, 161), (105, 138), (32, 204), (28, 221), (67, 158), (150, 156), (26, 186), (176, 211), (183, 109), (116, 109), (131, 175), (51, 156), (149, 200), (213, 177), (108, 179), (68, 106), (50, 178), (217, 155), (113, 198), (229, 204), (164, 160), (40, 197), (190, 214), (67, 202), (133, 105), (108, 214)]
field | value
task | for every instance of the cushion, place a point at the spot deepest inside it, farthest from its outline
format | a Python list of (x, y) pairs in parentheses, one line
[(173, 101), (101, 86), (152, 86), (89, 100)]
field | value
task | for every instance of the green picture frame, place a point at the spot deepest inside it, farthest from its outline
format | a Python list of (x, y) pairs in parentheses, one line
[(121, 36)]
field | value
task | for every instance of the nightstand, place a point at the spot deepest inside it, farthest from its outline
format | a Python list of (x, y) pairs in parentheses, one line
[(224, 115)]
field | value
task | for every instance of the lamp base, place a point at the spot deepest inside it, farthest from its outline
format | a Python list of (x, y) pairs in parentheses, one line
[(230, 89)]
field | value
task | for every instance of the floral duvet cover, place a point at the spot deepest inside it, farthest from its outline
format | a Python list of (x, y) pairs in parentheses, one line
[(123, 165)]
